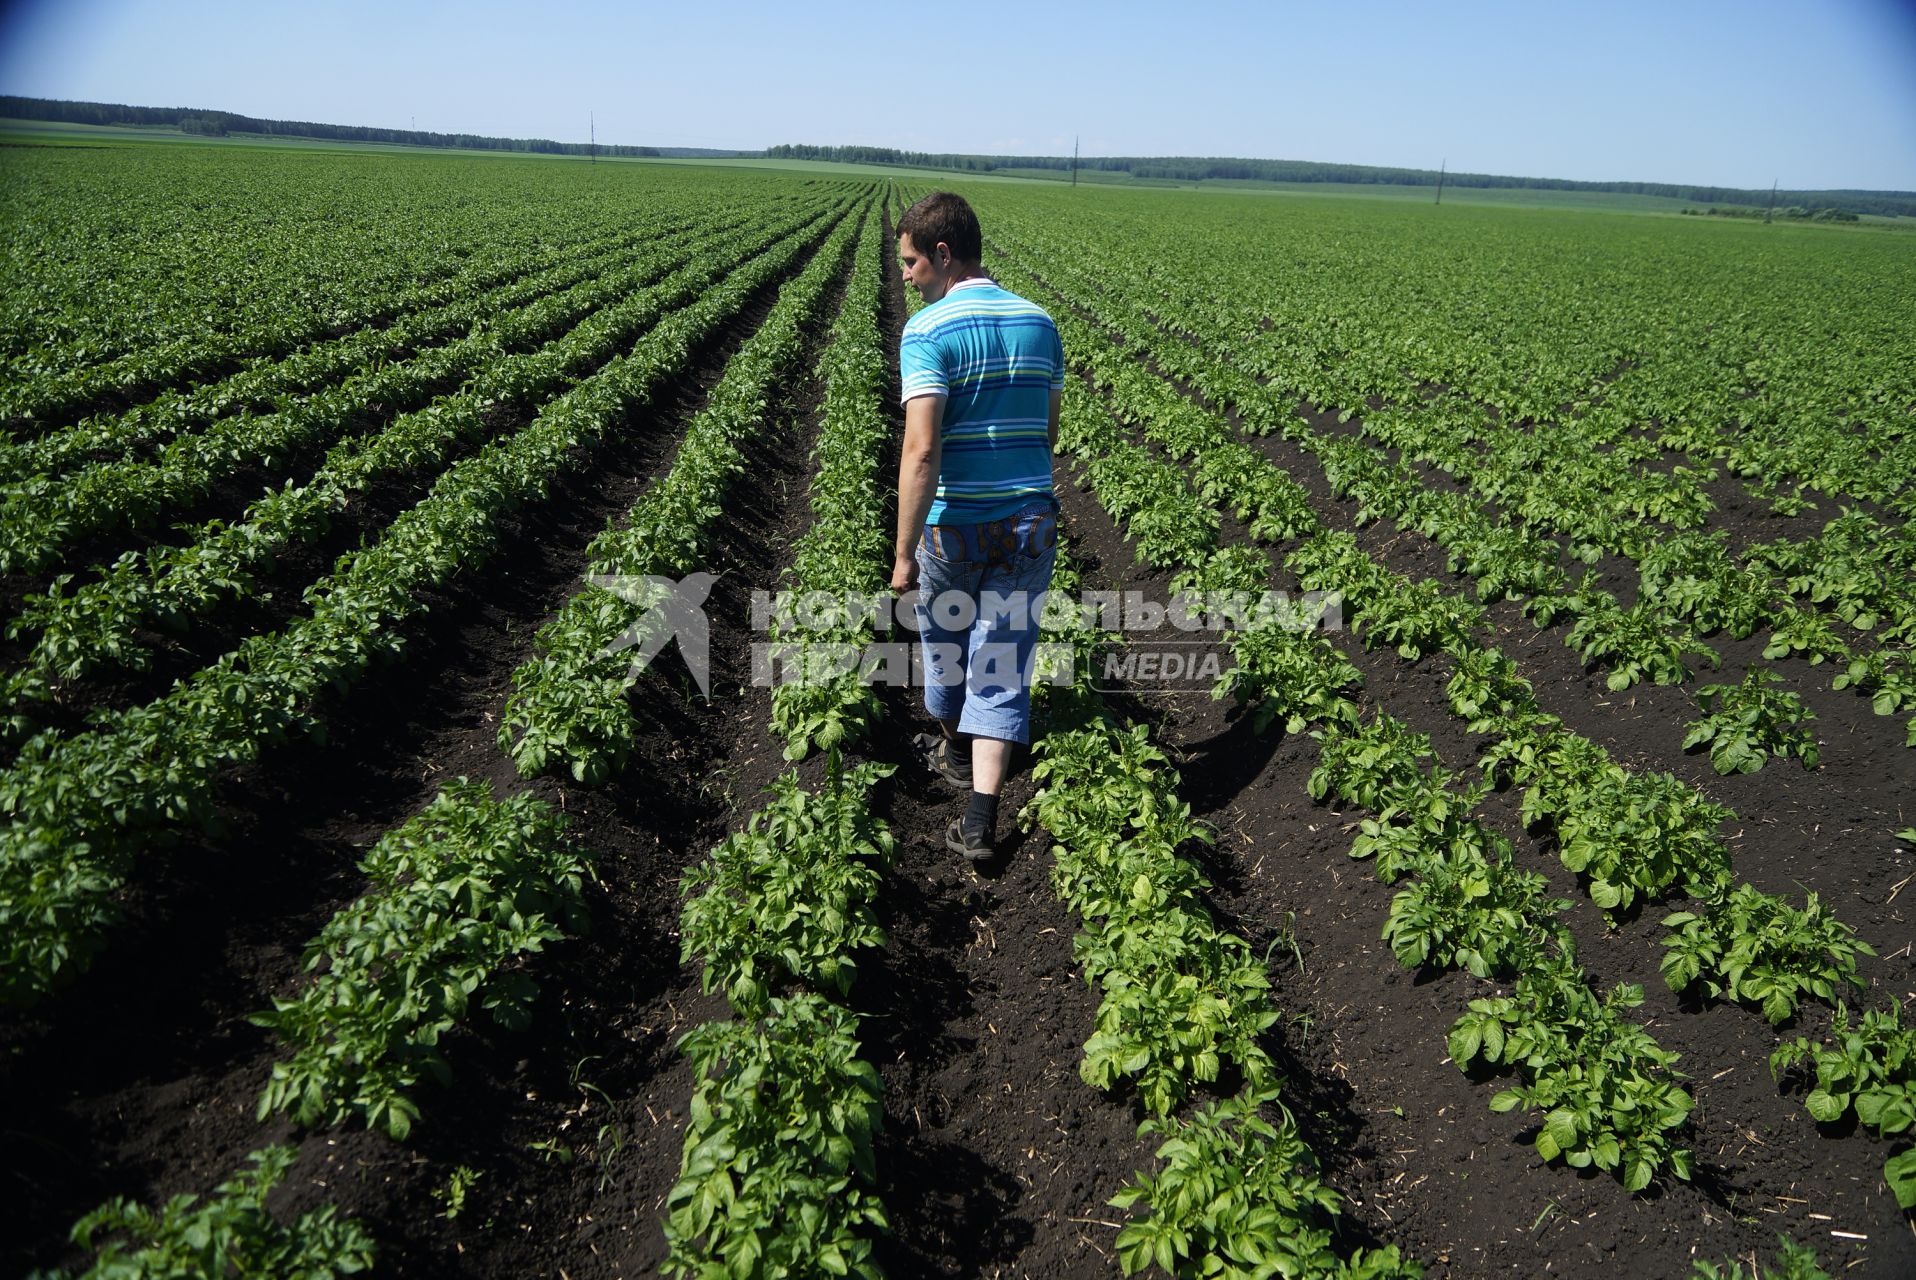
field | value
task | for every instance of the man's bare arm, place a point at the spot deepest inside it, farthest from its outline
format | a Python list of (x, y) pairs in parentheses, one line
[(918, 459)]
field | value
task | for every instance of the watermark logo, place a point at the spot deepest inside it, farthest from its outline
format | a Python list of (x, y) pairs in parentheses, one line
[(669, 610), (1164, 664), (823, 637)]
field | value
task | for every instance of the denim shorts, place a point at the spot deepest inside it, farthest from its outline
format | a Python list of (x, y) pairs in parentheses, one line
[(980, 590)]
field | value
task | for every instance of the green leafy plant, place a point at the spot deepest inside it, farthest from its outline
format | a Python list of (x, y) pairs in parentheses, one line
[(1743, 725), (453, 1194), (1868, 1068), (1181, 997), (1794, 1261), (830, 704), (1882, 673), (777, 1169), (1471, 913), (1638, 643), (1180, 1000), (1692, 576), (1484, 686), (1281, 673), (1420, 618), (1641, 835), (789, 897), (1371, 765), (1607, 1091), (1238, 1197), (1807, 634), (1757, 948), (458, 891), (229, 1234), (1422, 822)]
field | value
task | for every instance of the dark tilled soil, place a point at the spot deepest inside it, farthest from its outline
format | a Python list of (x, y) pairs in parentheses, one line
[(997, 1160)]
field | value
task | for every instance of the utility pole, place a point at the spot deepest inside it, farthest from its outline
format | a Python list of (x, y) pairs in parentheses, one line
[(1441, 166), (592, 135), (1074, 160), (1772, 208)]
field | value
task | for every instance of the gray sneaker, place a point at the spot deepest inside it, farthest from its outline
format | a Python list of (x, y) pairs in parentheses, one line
[(942, 760), (974, 845)]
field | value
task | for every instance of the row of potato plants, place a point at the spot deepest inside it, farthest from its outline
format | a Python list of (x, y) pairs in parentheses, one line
[(99, 623), (777, 1175), (845, 550), (81, 807), (456, 894), (1300, 679), (1184, 1002), (1627, 834), (45, 514), (1468, 906), (1607, 1093), (569, 707), (1558, 482), (259, 386)]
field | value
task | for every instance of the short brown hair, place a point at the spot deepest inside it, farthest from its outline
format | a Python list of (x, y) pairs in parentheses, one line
[(942, 217)]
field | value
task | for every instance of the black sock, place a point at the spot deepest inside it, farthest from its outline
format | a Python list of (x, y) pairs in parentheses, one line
[(981, 816)]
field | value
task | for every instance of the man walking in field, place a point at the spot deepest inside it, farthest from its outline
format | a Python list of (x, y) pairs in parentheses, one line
[(983, 376)]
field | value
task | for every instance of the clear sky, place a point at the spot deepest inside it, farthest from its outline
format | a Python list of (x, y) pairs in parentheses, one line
[(1817, 93)]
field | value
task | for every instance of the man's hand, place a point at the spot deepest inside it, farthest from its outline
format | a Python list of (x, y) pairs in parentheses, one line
[(904, 573)]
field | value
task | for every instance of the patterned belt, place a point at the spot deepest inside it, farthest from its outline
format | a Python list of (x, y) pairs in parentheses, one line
[(1029, 531)]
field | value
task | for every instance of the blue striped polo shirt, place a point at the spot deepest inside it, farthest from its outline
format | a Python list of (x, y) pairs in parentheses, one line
[(996, 359)]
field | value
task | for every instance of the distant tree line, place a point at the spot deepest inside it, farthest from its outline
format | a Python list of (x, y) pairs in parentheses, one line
[(1793, 211), (1197, 169), (198, 120)]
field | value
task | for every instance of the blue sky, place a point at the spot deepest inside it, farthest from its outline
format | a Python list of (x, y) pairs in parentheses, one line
[(1818, 93)]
